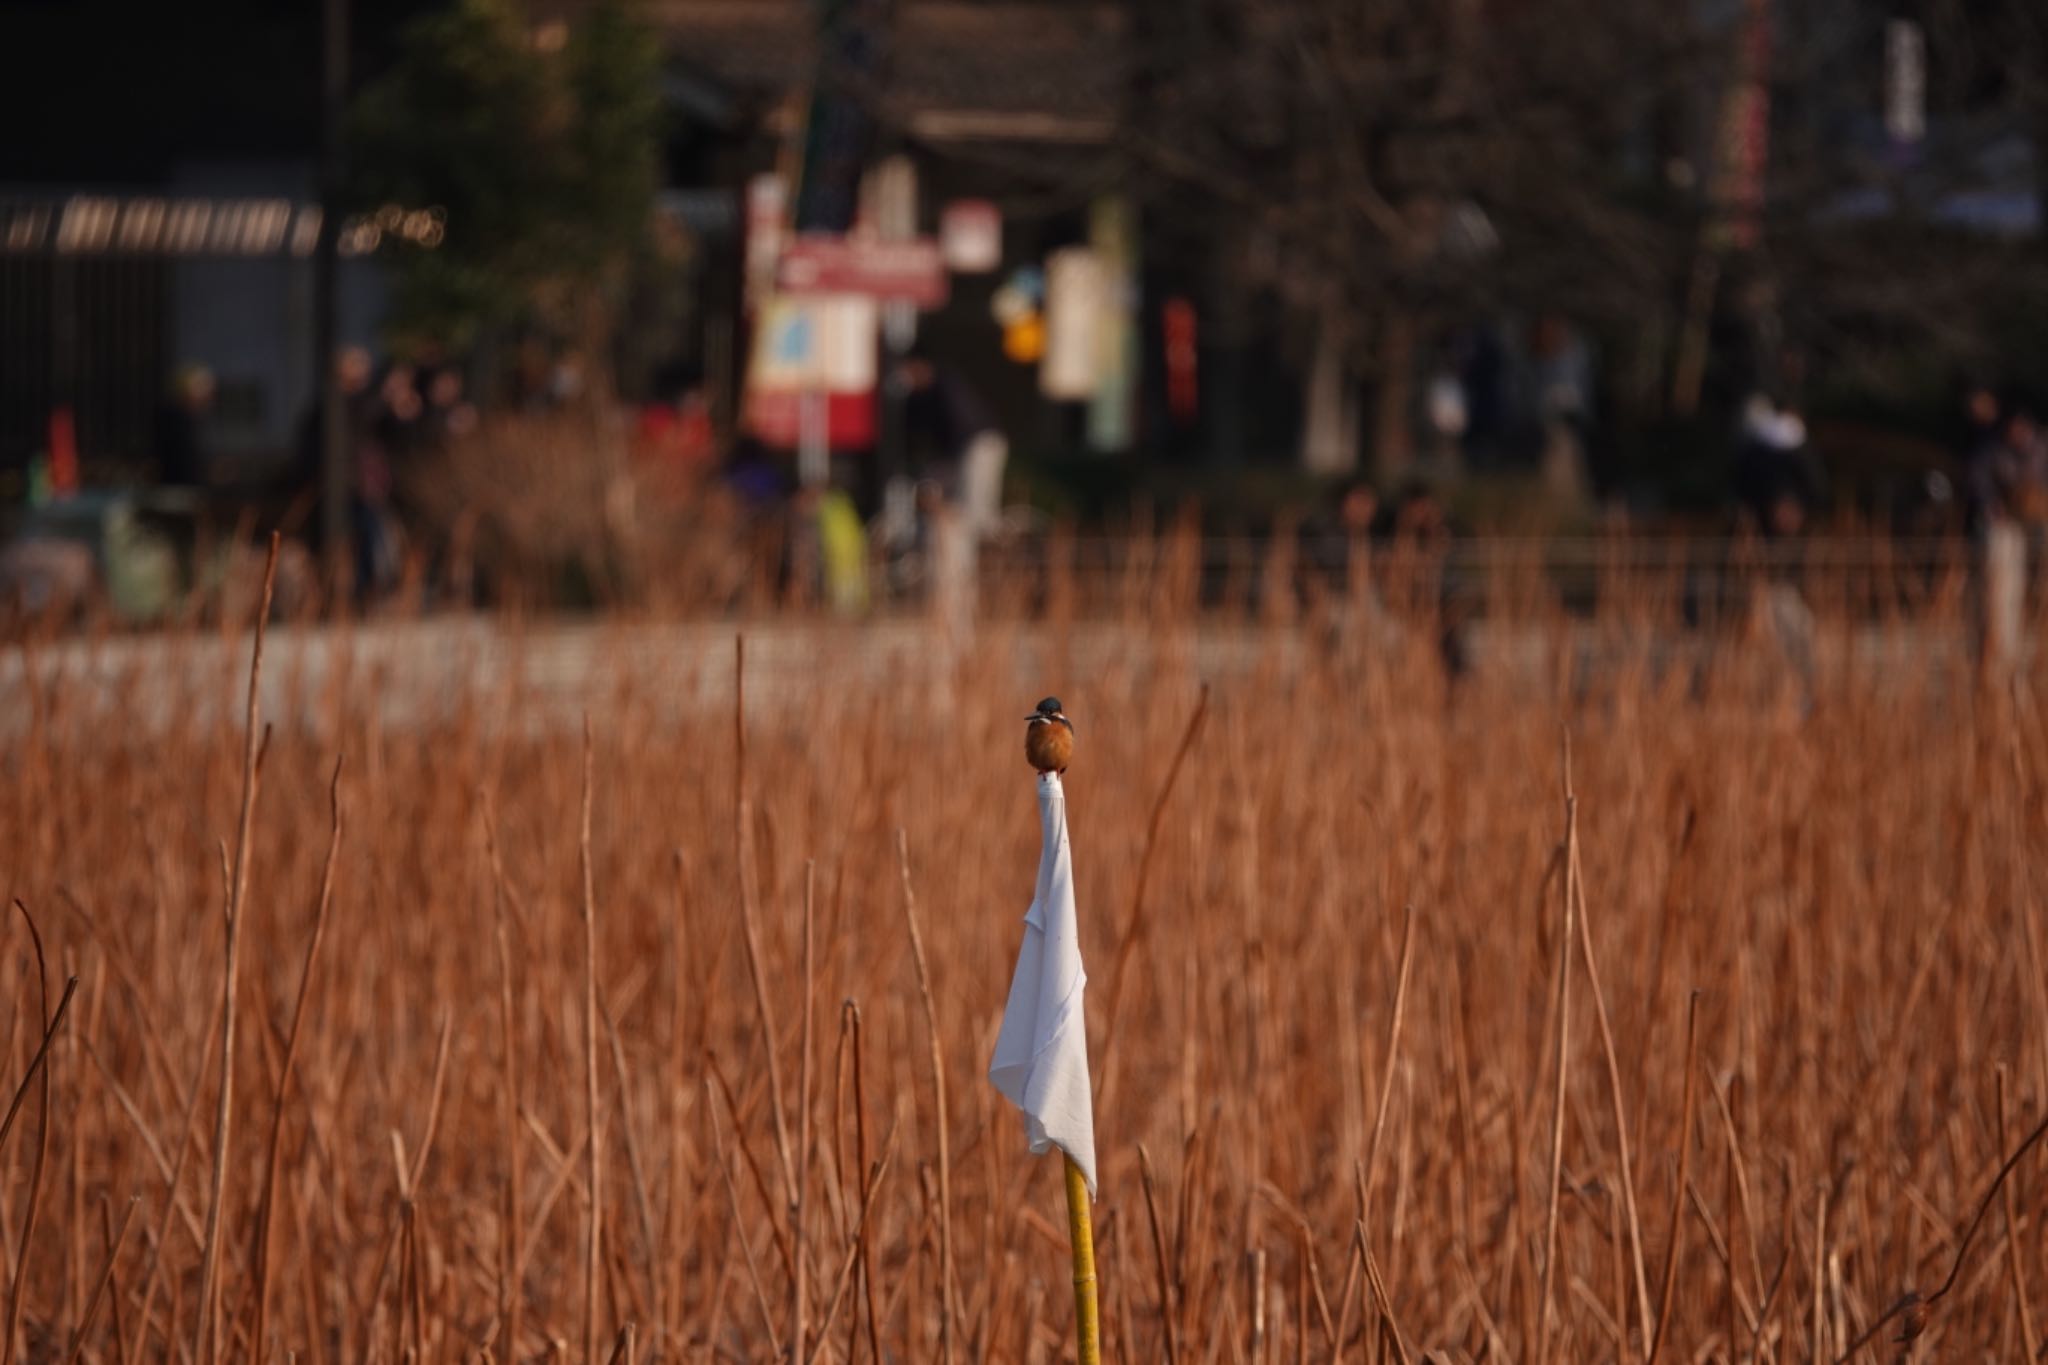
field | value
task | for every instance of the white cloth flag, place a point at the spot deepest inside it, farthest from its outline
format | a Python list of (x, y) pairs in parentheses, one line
[(1041, 1059)]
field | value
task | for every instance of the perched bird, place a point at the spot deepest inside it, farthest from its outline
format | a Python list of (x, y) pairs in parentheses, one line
[(1048, 737)]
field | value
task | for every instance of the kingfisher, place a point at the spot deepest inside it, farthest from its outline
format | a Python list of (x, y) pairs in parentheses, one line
[(1049, 737)]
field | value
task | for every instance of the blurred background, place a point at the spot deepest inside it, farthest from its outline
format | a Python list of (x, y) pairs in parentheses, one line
[(848, 305)]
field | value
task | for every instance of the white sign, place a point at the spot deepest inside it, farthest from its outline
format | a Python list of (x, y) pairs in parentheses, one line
[(1905, 82), (817, 342), (971, 236), (1076, 291)]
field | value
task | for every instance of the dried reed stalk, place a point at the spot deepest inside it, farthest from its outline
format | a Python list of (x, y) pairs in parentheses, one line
[(205, 1346), (593, 1231), (1563, 1064), (266, 1215), (941, 1121), (38, 1068)]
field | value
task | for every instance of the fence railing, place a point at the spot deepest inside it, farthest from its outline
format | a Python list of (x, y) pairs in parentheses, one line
[(1699, 577)]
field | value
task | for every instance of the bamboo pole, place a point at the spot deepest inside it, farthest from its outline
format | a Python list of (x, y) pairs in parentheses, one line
[(1081, 1230)]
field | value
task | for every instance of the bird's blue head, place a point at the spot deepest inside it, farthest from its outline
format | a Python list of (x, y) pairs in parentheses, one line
[(1050, 710)]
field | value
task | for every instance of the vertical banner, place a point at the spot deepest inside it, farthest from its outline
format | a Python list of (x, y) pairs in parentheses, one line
[(839, 129), (1746, 130), (1112, 232), (1905, 85), (1074, 292), (891, 211), (767, 227), (1178, 336)]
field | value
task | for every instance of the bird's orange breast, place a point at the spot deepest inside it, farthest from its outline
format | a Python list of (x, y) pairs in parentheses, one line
[(1048, 745)]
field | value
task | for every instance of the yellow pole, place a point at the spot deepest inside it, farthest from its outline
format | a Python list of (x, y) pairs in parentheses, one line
[(1081, 1230)]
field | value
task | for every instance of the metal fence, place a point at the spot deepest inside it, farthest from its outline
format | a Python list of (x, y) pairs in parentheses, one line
[(1697, 579), (86, 333)]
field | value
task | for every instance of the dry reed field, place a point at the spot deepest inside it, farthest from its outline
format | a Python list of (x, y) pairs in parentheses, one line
[(1647, 1013)]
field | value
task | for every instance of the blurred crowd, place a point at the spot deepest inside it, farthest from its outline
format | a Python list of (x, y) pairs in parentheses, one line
[(859, 533), (911, 525)]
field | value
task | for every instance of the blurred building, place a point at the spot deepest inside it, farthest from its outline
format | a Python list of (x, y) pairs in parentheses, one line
[(1012, 105), (161, 217), (107, 293)]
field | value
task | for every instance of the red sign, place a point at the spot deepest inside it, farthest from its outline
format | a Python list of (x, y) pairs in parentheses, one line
[(905, 272), (776, 418), (1177, 322)]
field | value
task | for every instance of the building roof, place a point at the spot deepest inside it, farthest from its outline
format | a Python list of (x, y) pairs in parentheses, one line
[(959, 70)]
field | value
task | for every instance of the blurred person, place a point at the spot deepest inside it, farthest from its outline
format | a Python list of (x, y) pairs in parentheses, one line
[(1419, 521), (399, 413), (803, 548), (1339, 547), (964, 446), (2006, 483), (1778, 490), (1418, 515), (2004, 475), (448, 415), (1562, 366), (1338, 540), (843, 552), (1776, 485), (675, 431), (181, 428), (755, 476), (391, 440), (947, 550), (565, 382), (1483, 373), (353, 373), (1979, 417), (1449, 419)]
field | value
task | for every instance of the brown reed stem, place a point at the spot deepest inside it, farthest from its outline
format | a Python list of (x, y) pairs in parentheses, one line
[(1379, 1294), (99, 1292), (778, 1230), (1167, 1317), (732, 1195), (857, 1244), (1676, 1244), (1628, 1182), (1563, 1065), (1393, 1057), (750, 919), (107, 1240), (2014, 1261), (266, 1216), (947, 1291), (1916, 1306), (511, 1255), (39, 1067), (642, 1206), (186, 1144), (205, 1347), (860, 1153), (593, 1234), (1134, 921), (798, 1332), (36, 1063)]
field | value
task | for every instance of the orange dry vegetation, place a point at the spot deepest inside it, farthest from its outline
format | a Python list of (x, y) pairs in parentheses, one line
[(1328, 1130)]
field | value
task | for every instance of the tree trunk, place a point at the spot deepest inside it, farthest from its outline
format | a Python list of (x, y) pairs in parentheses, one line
[(1393, 434), (1329, 423)]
